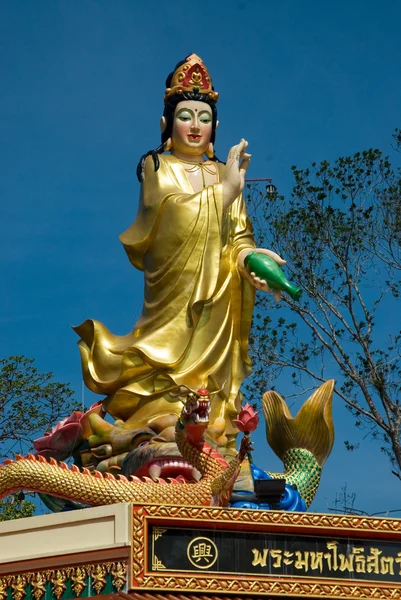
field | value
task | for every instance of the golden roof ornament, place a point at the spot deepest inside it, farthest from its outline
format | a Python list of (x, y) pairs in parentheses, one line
[(192, 76)]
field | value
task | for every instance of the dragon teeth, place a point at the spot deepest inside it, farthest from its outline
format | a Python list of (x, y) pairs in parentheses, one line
[(196, 474), (154, 471), (155, 468)]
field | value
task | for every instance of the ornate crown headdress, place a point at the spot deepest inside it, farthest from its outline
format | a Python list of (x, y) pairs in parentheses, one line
[(192, 76)]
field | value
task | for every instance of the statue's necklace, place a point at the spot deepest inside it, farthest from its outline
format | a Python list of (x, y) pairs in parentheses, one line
[(202, 166)]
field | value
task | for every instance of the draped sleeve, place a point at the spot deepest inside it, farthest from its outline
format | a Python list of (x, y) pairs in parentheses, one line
[(168, 185), (197, 308), (176, 240)]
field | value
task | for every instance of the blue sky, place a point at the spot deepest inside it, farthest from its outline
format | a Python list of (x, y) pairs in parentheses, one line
[(82, 93)]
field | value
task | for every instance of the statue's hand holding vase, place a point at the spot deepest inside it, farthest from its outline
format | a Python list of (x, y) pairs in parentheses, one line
[(257, 282), (233, 184)]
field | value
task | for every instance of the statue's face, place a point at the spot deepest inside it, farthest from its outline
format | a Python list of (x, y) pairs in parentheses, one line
[(192, 127)]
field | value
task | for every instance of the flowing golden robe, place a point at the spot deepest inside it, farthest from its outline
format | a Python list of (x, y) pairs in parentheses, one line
[(197, 307)]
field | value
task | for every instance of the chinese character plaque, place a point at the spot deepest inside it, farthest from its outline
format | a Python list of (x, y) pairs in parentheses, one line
[(253, 553)]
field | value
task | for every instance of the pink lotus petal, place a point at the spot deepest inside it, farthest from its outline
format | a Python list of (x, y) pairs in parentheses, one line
[(63, 440), (239, 424), (248, 419), (95, 409), (252, 424), (68, 434)]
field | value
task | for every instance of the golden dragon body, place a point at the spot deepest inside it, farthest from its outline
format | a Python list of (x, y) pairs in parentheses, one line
[(38, 474), (303, 443)]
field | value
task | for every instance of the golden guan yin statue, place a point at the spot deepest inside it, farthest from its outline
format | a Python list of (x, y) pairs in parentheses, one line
[(173, 383), (190, 238)]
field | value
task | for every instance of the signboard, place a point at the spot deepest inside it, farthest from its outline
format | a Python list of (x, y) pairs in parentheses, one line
[(248, 553), (193, 550)]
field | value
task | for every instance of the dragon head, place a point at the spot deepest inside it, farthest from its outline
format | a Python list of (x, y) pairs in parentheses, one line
[(159, 459)]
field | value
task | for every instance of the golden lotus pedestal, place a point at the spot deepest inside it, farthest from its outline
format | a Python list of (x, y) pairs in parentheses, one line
[(177, 553)]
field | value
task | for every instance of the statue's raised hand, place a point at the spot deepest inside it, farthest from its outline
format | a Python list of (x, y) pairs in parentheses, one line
[(234, 174)]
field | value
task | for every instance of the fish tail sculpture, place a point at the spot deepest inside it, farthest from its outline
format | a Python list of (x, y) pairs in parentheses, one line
[(304, 442), (37, 474)]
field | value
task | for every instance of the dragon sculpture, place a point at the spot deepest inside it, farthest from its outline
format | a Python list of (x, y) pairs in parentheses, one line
[(204, 477), (39, 474)]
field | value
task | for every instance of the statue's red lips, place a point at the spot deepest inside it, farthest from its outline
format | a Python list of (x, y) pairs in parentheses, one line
[(194, 137)]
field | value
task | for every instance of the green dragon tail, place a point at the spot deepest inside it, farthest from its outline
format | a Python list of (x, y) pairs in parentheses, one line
[(303, 442)]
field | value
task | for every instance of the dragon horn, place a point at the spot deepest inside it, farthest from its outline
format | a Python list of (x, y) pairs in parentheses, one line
[(219, 390), (182, 389)]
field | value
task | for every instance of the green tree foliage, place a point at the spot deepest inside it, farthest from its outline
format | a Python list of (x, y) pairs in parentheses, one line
[(340, 232), (16, 507), (30, 404)]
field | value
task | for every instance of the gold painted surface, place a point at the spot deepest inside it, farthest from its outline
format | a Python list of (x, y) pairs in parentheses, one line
[(197, 309), (59, 577), (314, 522), (38, 583), (312, 562), (303, 442), (256, 586), (157, 532), (273, 588), (119, 574), (218, 476), (78, 580), (18, 586), (35, 473), (311, 429), (3, 589), (58, 583), (202, 552), (98, 576)]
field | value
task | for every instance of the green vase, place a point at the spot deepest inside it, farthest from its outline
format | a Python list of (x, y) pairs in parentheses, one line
[(266, 268)]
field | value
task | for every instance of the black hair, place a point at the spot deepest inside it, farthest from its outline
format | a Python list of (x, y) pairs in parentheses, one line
[(168, 114)]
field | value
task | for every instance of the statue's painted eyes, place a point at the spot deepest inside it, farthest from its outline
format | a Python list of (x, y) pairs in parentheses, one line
[(205, 118), (184, 116)]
